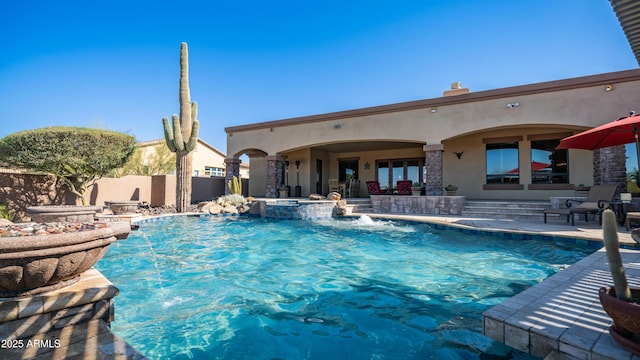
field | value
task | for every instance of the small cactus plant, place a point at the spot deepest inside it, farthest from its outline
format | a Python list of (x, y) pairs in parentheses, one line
[(235, 185), (610, 235)]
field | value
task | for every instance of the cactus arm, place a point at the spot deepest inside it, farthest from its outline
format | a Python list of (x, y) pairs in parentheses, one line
[(168, 135), (194, 111), (610, 235), (177, 134), (193, 139)]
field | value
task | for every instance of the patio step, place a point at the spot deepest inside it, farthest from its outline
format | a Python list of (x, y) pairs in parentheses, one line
[(499, 209), (505, 209), (360, 205)]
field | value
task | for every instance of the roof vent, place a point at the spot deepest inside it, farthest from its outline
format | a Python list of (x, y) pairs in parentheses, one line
[(456, 89)]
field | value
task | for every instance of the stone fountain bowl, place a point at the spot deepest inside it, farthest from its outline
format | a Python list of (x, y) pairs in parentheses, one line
[(62, 213), (39, 263), (122, 207)]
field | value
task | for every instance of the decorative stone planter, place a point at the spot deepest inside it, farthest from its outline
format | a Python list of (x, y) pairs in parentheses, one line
[(39, 263), (625, 316), (122, 207), (62, 213)]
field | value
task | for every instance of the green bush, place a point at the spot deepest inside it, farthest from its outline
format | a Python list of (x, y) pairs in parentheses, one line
[(4, 212), (78, 156)]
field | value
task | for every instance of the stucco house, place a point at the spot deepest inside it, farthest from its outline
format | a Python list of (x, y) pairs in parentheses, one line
[(495, 144), (207, 160)]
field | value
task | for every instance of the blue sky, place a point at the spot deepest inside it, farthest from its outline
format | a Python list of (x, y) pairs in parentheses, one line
[(114, 64)]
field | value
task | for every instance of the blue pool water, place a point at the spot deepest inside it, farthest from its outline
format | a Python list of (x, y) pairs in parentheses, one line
[(249, 288)]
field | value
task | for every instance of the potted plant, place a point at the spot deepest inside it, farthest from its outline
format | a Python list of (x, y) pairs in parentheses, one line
[(619, 301), (451, 190), (416, 188)]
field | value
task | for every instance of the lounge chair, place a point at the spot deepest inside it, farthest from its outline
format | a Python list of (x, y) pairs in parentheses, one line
[(598, 198), (374, 188), (404, 187)]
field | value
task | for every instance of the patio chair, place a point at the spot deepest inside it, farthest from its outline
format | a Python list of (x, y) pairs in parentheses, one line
[(404, 187), (334, 186), (374, 188), (353, 188), (598, 198)]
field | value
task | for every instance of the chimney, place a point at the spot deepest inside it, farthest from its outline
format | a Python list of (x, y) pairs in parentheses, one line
[(456, 89)]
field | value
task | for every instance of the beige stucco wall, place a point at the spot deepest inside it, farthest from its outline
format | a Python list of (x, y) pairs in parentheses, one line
[(574, 108), (570, 105), (205, 156), (257, 185), (469, 172), (130, 187)]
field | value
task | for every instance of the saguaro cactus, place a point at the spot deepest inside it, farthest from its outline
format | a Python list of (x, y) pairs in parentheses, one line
[(184, 127)]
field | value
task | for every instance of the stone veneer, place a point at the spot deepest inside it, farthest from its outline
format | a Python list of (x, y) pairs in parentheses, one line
[(274, 176), (64, 323), (433, 168), (233, 169), (299, 210), (417, 205), (609, 166)]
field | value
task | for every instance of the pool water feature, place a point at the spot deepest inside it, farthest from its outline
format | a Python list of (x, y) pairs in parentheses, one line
[(254, 288)]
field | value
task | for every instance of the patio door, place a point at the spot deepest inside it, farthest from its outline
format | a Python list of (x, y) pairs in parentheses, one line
[(347, 170)]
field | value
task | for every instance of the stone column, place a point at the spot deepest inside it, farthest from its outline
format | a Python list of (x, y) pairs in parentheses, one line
[(433, 167), (274, 175), (609, 166), (233, 169)]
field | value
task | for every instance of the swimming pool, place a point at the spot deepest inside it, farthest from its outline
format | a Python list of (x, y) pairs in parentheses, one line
[(220, 287)]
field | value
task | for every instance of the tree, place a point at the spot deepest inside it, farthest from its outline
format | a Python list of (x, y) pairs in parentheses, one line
[(158, 160), (78, 156), (183, 138)]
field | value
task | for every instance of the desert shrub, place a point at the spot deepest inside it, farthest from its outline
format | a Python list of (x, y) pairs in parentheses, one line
[(232, 199), (78, 156)]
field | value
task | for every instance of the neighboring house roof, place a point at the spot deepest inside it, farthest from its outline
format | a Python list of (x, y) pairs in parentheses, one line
[(628, 13), (200, 141)]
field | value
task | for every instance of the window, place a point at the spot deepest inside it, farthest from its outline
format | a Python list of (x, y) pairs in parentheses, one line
[(347, 170), (548, 165), (502, 163), (213, 171), (390, 171), (383, 173)]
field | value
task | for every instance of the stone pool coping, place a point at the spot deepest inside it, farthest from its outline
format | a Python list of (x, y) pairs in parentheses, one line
[(561, 317)]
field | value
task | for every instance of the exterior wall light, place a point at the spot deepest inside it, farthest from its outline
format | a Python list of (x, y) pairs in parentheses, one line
[(513, 105)]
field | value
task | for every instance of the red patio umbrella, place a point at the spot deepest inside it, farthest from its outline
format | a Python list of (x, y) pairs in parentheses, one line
[(619, 132)]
